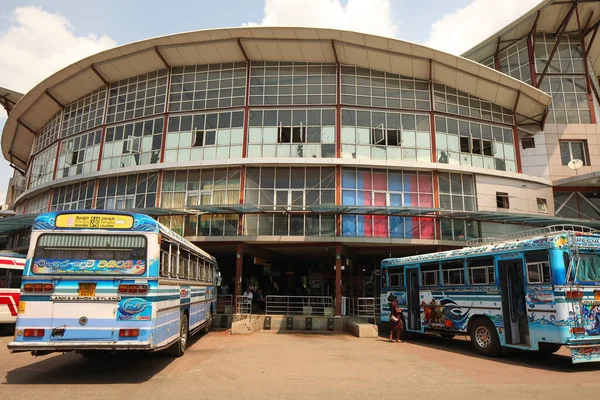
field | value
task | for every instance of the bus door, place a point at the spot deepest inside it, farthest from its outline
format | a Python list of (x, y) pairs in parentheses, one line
[(413, 303), (512, 286)]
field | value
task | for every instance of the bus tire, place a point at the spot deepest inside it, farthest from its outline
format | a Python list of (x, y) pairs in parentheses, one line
[(484, 337), (181, 343), (548, 348)]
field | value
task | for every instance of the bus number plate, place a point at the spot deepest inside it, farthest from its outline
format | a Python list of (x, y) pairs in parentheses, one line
[(596, 294), (87, 289)]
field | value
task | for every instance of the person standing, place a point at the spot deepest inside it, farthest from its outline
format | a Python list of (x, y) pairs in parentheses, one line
[(396, 320)]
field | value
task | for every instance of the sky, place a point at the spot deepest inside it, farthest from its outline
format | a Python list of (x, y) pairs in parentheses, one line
[(40, 37)]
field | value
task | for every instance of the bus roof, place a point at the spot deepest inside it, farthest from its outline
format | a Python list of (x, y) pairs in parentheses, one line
[(118, 221), (556, 240)]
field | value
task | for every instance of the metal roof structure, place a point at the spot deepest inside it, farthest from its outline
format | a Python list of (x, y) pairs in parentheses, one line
[(247, 44), (9, 98), (547, 17)]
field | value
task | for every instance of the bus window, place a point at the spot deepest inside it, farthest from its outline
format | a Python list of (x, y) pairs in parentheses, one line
[(174, 264), (453, 272), (203, 270), (395, 277), (569, 272), (481, 271), (538, 267), (430, 274), (3, 278), (210, 273), (14, 278), (164, 258)]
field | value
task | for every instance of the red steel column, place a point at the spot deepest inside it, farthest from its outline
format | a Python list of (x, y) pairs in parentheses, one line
[(338, 280)]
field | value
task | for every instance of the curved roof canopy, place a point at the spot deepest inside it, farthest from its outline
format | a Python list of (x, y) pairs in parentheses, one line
[(547, 17), (9, 98), (260, 44)]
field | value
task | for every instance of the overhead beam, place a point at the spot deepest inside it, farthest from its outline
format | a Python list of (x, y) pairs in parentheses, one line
[(335, 54), (586, 52), (560, 34), (243, 51), (162, 58), (99, 75), (54, 99)]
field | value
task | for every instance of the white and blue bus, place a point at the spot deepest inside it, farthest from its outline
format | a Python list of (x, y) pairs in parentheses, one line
[(539, 292), (106, 281)]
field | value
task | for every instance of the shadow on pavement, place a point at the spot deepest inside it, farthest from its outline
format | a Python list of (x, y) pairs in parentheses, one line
[(523, 358), (72, 368)]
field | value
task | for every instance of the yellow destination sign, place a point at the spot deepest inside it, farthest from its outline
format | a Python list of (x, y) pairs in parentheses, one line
[(94, 221)]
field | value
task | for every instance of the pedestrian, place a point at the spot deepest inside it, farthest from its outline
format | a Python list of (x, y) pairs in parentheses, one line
[(395, 319)]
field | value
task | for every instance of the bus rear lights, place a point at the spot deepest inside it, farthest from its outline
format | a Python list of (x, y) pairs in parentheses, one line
[(133, 289), (574, 294), (38, 287), (34, 332), (129, 332), (578, 331)]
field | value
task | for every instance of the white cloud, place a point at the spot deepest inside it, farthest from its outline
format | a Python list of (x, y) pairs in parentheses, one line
[(35, 45), (367, 16), (38, 44), (464, 28)]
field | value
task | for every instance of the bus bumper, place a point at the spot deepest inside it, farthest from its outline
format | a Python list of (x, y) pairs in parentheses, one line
[(583, 353), (50, 347)]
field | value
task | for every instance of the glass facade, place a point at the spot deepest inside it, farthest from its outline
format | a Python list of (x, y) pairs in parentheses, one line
[(48, 134), (386, 135), (205, 136), (79, 154), (199, 87), (127, 192), (473, 144), (569, 102), (514, 61), (85, 113), (373, 187), (285, 83), (134, 143), (367, 87), (304, 133), (42, 167), (284, 189), (77, 196)]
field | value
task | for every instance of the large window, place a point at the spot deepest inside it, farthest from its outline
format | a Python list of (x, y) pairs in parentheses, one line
[(127, 192), (568, 58), (134, 143), (367, 87), (198, 87), (85, 113), (569, 103), (284, 190), (381, 188), (514, 61), (42, 167), (453, 101), (385, 135), (205, 137), (472, 144), (140, 96), (77, 196), (283, 83), (481, 271), (187, 189), (457, 193), (79, 155), (38, 204), (292, 133), (573, 150), (48, 134)]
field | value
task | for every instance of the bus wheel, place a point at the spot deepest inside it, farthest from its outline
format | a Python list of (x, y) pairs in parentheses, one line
[(484, 337), (181, 344), (549, 348), (447, 335)]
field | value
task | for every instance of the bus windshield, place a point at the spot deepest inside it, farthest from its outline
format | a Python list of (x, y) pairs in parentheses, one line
[(589, 268), (90, 254)]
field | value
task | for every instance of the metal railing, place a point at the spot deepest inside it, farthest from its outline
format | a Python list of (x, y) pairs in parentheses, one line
[(225, 304), (363, 309), (299, 305), (528, 234), (243, 308)]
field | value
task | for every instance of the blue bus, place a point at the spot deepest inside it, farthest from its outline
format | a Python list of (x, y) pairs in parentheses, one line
[(538, 292), (105, 281)]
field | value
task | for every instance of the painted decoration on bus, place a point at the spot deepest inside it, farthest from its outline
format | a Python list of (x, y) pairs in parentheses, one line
[(94, 221), (537, 296), (443, 312), (591, 318), (96, 267), (585, 354), (134, 309)]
